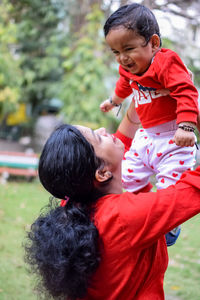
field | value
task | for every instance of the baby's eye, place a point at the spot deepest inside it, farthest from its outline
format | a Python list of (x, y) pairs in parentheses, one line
[(115, 52), (129, 49)]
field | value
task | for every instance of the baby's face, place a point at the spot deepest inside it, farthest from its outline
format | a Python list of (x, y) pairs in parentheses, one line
[(131, 50)]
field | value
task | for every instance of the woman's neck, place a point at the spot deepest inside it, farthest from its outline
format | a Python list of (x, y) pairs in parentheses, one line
[(114, 186)]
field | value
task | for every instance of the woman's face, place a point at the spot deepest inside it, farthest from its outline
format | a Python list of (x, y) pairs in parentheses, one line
[(106, 146)]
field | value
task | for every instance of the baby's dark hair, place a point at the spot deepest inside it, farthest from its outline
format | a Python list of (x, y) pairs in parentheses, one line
[(135, 17), (62, 245)]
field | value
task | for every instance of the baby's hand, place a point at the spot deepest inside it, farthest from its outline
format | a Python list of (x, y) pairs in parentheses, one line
[(106, 105), (184, 138)]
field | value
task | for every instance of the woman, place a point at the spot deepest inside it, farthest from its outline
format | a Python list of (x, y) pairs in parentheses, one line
[(103, 244)]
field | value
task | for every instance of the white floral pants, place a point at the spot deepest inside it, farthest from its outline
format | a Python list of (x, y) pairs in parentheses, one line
[(153, 152)]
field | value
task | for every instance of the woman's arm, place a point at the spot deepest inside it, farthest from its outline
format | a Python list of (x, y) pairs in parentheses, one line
[(148, 216), (128, 127), (130, 123)]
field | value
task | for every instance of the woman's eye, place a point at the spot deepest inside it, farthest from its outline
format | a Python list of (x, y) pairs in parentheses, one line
[(129, 49), (99, 138)]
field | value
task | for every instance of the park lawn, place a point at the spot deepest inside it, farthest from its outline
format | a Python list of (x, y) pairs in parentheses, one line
[(183, 274), (21, 202)]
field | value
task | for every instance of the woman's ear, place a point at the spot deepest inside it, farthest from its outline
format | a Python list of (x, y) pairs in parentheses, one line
[(103, 175), (155, 42)]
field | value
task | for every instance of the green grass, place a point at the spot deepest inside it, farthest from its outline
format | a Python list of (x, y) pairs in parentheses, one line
[(183, 274), (20, 204)]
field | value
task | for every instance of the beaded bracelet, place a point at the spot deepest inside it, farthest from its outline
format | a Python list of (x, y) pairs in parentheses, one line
[(187, 128), (116, 105), (113, 103), (190, 129)]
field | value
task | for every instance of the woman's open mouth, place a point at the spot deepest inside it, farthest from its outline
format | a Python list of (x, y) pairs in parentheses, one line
[(114, 138)]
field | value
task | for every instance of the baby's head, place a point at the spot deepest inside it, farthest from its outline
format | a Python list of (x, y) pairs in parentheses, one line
[(133, 28)]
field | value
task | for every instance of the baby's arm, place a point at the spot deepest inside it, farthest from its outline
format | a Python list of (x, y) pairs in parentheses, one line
[(183, 138), (173, 75), (187, 138), (113, 101)]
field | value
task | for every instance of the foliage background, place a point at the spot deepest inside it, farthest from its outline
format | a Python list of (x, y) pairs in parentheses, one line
[(56, 49)]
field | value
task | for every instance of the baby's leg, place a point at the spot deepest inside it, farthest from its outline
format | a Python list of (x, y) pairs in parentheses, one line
[(170, 169), (135, 171)]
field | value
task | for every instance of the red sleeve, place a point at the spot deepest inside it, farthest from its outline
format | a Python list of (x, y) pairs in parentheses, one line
[(173, 74), (125, 140), (146, 217), (123, 88)]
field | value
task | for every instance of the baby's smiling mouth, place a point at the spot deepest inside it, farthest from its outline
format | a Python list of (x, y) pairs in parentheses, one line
[(129, 66)]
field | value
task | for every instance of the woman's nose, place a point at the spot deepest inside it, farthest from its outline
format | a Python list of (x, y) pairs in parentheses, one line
[(101, 131)]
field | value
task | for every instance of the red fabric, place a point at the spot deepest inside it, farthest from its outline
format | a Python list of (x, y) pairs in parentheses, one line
[(166, 71), (125, 140), (132, 242), (63, 202), (145, 189)]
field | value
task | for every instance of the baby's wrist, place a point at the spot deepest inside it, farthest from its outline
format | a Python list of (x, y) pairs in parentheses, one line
[(186, 127), (188, 124), (114, 103)]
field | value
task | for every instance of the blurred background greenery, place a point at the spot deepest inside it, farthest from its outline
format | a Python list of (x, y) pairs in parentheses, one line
[(56, 49)]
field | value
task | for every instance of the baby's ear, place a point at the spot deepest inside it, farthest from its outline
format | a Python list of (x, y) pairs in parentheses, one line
[(103, 175), (155, 42)]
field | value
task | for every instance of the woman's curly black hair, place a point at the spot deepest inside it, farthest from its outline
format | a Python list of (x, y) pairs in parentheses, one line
[(62, 246), (135, 17)]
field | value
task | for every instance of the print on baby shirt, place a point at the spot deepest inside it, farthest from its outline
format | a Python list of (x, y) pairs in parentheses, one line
[(144, 95)]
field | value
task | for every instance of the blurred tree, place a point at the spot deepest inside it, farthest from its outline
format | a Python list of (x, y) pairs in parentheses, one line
[(61, 50), (84, 82), (55, 31), (39, 40), (176, 7), (9, 70)]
